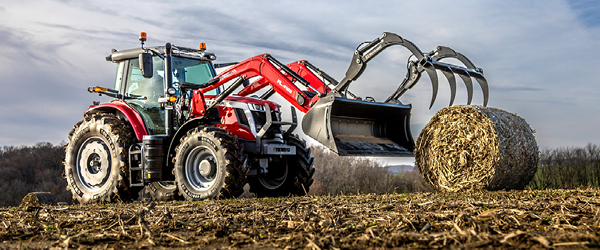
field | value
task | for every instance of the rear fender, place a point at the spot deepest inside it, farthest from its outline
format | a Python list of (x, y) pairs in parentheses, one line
[(130, 114)]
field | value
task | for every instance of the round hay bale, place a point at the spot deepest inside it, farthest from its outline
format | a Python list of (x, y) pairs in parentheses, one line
[(470, 147)]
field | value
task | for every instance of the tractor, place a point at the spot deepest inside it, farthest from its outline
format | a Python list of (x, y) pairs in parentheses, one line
[(176, 128)]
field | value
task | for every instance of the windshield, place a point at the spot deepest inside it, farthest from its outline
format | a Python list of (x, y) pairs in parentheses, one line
[(192, 71)]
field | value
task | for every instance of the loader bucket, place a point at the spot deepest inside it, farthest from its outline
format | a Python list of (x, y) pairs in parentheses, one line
[(360, 128)]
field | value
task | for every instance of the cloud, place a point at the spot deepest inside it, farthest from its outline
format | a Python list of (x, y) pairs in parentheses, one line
[(587, 11), (540, 58), (516, 88)]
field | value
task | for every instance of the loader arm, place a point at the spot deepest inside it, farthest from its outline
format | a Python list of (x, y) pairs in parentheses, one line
[(272, 72), (305, 70), (317, 78)]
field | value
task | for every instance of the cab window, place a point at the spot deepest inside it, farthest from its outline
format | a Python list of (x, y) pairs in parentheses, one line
[(142, 94)]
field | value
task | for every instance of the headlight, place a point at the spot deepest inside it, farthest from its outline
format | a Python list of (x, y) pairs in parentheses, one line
[(171, 91), (256, 107)]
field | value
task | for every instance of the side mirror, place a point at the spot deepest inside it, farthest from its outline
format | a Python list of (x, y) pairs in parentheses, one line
[(146, 64)]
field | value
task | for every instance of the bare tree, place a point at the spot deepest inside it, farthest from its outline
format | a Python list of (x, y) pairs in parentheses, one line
[(568, 167)]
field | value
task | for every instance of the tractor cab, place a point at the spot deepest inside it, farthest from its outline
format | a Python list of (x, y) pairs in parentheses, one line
[(143, 93)]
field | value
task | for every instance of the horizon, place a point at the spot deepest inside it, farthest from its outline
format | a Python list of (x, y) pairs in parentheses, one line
[(539, 57)]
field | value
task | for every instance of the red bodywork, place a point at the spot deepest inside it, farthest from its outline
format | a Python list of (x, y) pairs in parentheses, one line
[(132, 116), (229, 120), (271, 75), (299, 68)]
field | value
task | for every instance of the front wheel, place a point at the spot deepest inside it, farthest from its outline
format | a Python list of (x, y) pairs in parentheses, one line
[(208, 165)]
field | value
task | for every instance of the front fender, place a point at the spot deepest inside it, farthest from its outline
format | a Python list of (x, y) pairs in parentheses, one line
[(130, 114)]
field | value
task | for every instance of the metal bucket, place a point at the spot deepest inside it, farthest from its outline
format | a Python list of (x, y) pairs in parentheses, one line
[(360, 128)]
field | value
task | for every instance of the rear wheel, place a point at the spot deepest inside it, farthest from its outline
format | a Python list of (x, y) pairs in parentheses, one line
[(286, 175), (96, 165), (208, 165)]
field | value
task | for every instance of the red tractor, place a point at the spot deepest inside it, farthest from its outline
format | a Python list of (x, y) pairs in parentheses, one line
[(174, 128)]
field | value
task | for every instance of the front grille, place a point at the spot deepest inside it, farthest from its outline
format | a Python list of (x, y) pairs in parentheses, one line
[(241, 116), (260, 118)]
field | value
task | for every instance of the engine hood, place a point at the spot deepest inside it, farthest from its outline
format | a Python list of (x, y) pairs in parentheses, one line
[(244, 99)]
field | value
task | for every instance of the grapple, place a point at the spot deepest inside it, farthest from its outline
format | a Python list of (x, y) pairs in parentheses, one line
[(351, 126)]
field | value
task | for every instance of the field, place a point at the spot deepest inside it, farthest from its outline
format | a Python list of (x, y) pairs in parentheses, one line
[(503, 219)]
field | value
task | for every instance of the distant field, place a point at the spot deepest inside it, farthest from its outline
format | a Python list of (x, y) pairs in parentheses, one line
[(514, 219)]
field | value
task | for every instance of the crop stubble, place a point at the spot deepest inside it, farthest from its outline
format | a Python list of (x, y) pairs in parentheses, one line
[(521, 219)]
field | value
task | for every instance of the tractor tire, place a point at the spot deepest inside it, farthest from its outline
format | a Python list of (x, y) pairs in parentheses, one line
[(96, 160), (291, 175), (208, 165), (162, 191)]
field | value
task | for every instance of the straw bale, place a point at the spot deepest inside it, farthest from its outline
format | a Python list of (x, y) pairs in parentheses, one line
[(470, 147)]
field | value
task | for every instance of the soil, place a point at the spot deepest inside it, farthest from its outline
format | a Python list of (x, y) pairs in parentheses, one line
[(501, 219)]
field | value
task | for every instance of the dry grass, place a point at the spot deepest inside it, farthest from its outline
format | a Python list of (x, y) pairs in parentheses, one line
[(474, 147), (500, 219)]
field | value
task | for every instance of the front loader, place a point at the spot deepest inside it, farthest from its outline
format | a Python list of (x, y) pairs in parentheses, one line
[(350, 125)]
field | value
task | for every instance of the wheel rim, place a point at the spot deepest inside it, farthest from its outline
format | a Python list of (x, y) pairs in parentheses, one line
[(201, 168), (276, 175), (93, 163)]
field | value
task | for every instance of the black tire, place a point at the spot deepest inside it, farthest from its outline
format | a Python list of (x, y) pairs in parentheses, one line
[(208, 165), (162, 191), (298, 170), (96, 160)]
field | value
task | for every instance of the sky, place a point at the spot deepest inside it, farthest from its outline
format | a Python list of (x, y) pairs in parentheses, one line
[(541, 58)]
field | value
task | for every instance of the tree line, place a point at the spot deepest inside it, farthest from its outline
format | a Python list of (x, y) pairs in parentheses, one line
[(28, 169), (355, 175), (568, 167), (39, 168)]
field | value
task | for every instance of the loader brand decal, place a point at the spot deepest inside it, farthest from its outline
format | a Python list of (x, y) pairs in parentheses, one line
[(229, 73), (284, 87), (107, 136)]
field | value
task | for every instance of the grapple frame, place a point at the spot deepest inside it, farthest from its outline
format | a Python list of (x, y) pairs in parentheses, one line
[(350, 126), (427, 62)]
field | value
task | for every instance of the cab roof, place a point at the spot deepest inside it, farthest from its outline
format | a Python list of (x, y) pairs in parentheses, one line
[(116, 56)]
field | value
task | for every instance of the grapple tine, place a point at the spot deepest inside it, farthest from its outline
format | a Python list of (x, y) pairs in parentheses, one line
[(468, 83), (484, 88), (434, 80), (449, 74)]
